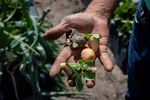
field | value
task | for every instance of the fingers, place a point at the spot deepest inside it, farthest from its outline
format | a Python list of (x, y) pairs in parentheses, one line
[(57, 31), (105, 59), (101, 27), (81, 22), (64, 55), (68, 23)]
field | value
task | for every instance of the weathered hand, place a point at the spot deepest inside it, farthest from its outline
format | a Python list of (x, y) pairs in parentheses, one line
[(84, 23)]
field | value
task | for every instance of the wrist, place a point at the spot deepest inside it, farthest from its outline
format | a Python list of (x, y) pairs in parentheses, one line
[(98, 17), (102, 8), (99, 14)]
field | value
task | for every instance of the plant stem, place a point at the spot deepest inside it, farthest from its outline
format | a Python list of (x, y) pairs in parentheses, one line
[(4, 12), (55, 94), (41, 20), (23, 43)]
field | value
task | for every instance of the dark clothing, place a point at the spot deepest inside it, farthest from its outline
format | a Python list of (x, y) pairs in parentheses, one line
[(139, 56)]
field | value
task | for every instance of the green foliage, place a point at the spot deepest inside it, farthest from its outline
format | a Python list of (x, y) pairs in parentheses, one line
[(123, 19), (92, 36), (81, 71), (21, 46)]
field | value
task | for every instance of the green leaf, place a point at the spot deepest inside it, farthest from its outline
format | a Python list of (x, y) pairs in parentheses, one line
[(81, 62), (79, 83), (88, 74), (41, 51), (88, 35), (14, 43), (96, 36), (1, 25), (74, 67), (11, 15), (88, 63), (71, 65), (78, 66)]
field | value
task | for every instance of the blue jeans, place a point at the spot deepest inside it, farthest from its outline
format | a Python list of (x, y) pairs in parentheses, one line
[(139, 56)]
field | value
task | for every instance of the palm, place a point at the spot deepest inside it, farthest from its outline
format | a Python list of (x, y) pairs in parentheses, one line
[(85, 23)]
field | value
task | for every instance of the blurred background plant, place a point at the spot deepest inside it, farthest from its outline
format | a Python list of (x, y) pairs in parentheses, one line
[(25, 58), (120, 31), (123, 19)]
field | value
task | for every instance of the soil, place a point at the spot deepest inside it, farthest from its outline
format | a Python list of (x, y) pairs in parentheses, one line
[(109, 85)]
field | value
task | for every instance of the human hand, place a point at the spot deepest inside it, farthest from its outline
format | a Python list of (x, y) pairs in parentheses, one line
[(83, 23)]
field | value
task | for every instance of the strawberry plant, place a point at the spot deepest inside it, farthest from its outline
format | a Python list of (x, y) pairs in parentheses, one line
[(84, 69)]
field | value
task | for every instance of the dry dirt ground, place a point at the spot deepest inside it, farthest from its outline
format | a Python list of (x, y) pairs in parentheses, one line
[(109, 85)]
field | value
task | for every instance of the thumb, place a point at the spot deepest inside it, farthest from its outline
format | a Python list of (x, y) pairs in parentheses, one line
[(57, 31)]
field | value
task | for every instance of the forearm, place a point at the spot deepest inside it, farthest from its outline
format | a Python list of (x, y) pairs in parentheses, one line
[(102, 8)]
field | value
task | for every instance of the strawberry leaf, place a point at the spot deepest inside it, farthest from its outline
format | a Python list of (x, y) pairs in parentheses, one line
[(89, 75), (79, 83), (88, 63), (96, 36), (81, 62), (78, 66), (71, 65), (88, 35)]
